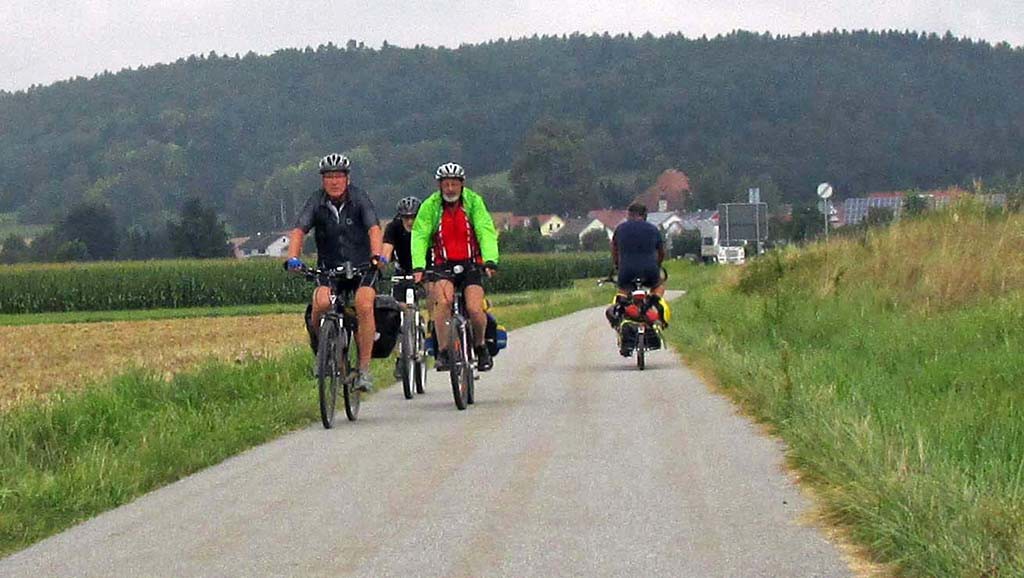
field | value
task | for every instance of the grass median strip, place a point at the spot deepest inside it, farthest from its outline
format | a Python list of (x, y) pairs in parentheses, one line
[(79, 453), (898, 393)]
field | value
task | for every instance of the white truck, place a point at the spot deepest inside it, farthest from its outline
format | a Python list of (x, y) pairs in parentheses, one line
[(712, 251)]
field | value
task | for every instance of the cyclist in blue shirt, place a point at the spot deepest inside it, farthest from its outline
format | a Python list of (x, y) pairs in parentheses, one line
[(638, 251)]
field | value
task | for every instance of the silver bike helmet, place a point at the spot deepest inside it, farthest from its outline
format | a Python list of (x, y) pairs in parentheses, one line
[(450, 171), (334, 163)]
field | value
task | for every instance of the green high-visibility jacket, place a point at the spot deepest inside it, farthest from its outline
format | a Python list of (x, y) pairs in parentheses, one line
[(428, 219)]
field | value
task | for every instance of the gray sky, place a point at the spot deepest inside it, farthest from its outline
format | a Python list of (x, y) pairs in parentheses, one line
[(42, 41)]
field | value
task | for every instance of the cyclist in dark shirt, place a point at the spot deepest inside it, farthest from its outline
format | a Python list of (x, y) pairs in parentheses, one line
[(637, 251), (397, 242), (398, 234), (346, 229)]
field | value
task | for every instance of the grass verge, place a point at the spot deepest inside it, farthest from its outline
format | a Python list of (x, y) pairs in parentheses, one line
[(81, 453), (896, 387), (19, 319)]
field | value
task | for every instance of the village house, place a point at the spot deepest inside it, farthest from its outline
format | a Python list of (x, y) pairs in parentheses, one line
[(263, 245), (549, 224), (667, 194)]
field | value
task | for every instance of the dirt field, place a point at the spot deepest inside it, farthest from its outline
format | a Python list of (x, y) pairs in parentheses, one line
[(38, 359)]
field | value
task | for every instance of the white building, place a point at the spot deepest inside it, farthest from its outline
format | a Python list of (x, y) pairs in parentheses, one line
[(264, 245)]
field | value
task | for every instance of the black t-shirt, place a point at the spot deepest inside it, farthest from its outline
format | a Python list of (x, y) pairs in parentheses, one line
[(395, 234), (341, 232), (638, 243)]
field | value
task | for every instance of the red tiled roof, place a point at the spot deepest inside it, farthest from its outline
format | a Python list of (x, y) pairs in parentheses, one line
[(609, 218), (517, 221), (672, 186)]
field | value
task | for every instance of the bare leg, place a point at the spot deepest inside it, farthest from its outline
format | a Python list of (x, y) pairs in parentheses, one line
[(321, 304), (444, 294), (475, 306)]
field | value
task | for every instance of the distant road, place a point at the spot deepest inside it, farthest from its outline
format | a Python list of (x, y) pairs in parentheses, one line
[(572, 462)]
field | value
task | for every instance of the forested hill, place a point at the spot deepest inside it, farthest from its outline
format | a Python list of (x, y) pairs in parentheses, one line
[(866, 110)]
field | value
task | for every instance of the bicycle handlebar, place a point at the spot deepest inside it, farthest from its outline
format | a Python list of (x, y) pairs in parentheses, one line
[(346, 271), (434, 275)]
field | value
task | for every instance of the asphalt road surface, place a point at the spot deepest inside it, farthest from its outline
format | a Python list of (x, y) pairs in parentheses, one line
[(572, 462)]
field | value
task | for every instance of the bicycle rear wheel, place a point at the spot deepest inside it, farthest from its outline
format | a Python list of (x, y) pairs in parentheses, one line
[(459, 360), (327, 371), (352, 395), (640, 351)]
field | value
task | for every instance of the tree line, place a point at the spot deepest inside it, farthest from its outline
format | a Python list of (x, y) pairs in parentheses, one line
[(90, 231), (567, 123)]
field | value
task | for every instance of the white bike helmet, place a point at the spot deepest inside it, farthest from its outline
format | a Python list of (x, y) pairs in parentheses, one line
[(450, 171), (334, 163)]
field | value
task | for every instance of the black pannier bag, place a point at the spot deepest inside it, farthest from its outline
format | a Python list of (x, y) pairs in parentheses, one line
[(388, 318), (627, 335)]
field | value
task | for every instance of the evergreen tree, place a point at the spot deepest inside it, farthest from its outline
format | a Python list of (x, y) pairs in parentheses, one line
[(595, 240), (199, 233), (553, 172), (14, 250), (93, 224)]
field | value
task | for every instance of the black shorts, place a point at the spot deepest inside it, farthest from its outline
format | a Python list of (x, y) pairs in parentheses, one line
[(368, 279), (649, 277), (470, 274)]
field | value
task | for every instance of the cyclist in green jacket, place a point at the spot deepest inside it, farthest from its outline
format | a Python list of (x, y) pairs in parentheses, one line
[(453, 223)]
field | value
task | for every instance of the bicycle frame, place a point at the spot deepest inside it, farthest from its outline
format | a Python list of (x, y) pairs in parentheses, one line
[(340, 319), (463, 358), (412, 357)]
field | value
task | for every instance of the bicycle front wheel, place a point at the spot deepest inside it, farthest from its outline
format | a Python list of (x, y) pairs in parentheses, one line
[(421, 360), (352, 395), (327, 371), (407, 363), (458, 360), (470, 361)]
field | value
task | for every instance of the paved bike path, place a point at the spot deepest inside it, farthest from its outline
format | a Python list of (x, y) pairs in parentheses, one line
[(572, 462)]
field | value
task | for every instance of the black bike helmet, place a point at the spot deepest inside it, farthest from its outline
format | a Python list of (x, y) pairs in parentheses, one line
[(408, 207)]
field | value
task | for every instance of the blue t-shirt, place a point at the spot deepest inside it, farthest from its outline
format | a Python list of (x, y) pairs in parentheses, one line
[(638, 243)]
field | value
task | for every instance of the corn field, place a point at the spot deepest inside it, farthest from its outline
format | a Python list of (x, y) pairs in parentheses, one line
[(212, 283)]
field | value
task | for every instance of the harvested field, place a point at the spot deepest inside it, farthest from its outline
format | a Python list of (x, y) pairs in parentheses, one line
[(38, 359)]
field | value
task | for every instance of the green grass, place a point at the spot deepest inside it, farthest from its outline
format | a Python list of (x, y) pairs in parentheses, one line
[(515, 310), (148, 314), (908, 418), (74, 456)]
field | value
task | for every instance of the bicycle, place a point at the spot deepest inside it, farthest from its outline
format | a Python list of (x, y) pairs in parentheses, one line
[(462, 358), (639, 318), (334, 356), (412, 355)]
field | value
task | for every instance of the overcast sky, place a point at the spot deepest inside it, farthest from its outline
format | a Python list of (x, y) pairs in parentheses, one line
[(42, 41)]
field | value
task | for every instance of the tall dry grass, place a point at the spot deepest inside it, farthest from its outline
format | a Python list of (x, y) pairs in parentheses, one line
[(938, 262)]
